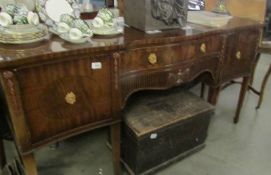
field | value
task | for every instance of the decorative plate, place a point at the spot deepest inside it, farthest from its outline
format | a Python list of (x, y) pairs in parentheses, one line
[(51, 10)]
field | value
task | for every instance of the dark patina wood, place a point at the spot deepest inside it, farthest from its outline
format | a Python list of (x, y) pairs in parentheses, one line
[(159, 127), (53, 93)]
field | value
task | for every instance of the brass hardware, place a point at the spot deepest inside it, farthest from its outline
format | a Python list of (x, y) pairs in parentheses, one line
[(203, 48), (70, 98), (238, 55), (179, 81), (152, 58)]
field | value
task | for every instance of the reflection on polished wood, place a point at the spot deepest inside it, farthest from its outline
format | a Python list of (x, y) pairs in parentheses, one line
[(56, 90)]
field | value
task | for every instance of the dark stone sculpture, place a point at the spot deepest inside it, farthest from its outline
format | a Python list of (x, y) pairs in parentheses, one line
[(169, 11)]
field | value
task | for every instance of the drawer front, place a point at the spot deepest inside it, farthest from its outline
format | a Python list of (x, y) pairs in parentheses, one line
[(64, 96), (167, 55), (164, 78), (240, 54), (157, 79)]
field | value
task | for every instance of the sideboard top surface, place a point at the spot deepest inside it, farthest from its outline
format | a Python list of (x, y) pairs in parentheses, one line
[(13, 56)]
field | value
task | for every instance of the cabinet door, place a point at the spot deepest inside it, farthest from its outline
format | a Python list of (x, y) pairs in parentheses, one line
[(240, 53), (60, 99)]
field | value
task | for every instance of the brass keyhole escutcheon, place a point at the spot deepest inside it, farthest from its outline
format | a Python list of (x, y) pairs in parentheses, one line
[(70, 98), (238, 55), (152, 58), (203, 48)]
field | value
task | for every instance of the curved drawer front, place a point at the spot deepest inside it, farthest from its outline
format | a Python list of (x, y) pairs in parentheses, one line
[(165, 78), (64, 96), (142, 59)]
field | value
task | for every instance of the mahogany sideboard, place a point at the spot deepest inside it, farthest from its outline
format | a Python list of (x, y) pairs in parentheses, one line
[(55, 90)]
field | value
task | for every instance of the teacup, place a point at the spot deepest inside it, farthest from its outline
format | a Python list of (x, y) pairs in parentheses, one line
[(83, 27), (63, 27), (21, 10), (5, 19), (18, 19), (106, 15), (104, 18), (65, 23), (10, 9), (66, 18), (97, 22), (33, 18), (75, 34)]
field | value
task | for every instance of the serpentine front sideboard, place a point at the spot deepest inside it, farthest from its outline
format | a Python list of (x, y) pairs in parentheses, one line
[(55, 90)]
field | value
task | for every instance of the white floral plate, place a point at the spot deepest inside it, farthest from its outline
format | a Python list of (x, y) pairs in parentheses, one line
[(51, 10)]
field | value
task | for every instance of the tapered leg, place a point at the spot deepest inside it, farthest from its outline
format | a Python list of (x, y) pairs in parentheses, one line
[(263, 87), (202, 91), (29, 163), (254, 68), (115, 141), (241, 98), (213, 95), (2, 154)]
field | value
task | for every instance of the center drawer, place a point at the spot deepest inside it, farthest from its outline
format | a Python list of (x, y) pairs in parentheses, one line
[(166, 55)]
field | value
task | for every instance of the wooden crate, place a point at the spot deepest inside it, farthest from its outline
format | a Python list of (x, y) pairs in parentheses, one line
[(162, 127)]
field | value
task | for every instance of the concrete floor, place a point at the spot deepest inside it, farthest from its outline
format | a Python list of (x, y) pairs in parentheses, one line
[(243, 149)]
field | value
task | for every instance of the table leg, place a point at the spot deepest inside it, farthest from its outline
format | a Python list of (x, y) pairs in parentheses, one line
[(213, 95), (254, 68), (241, 98), (202, 90), (29, 163), (2, 154), (115, 141), (263, 87)]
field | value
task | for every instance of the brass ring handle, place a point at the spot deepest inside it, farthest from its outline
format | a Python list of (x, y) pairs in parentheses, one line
[(152, 58), (238, 55), (70, 98), (203, 48)]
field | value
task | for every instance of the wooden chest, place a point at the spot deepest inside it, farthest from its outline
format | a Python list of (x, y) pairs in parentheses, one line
[(162, 127)]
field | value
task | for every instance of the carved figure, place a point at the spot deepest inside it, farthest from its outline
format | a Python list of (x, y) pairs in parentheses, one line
[(169, 11)]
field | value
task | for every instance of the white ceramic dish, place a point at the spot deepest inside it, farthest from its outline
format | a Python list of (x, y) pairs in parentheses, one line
[(79, 41)]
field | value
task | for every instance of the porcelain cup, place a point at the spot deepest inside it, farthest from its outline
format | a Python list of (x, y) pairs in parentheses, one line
[(75, 34), (65, 24), (33, 18), (63, 27), (83, 27), (5, 19)]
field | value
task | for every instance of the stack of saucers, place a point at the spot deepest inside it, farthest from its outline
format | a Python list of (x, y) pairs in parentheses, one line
[(21, 34)]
